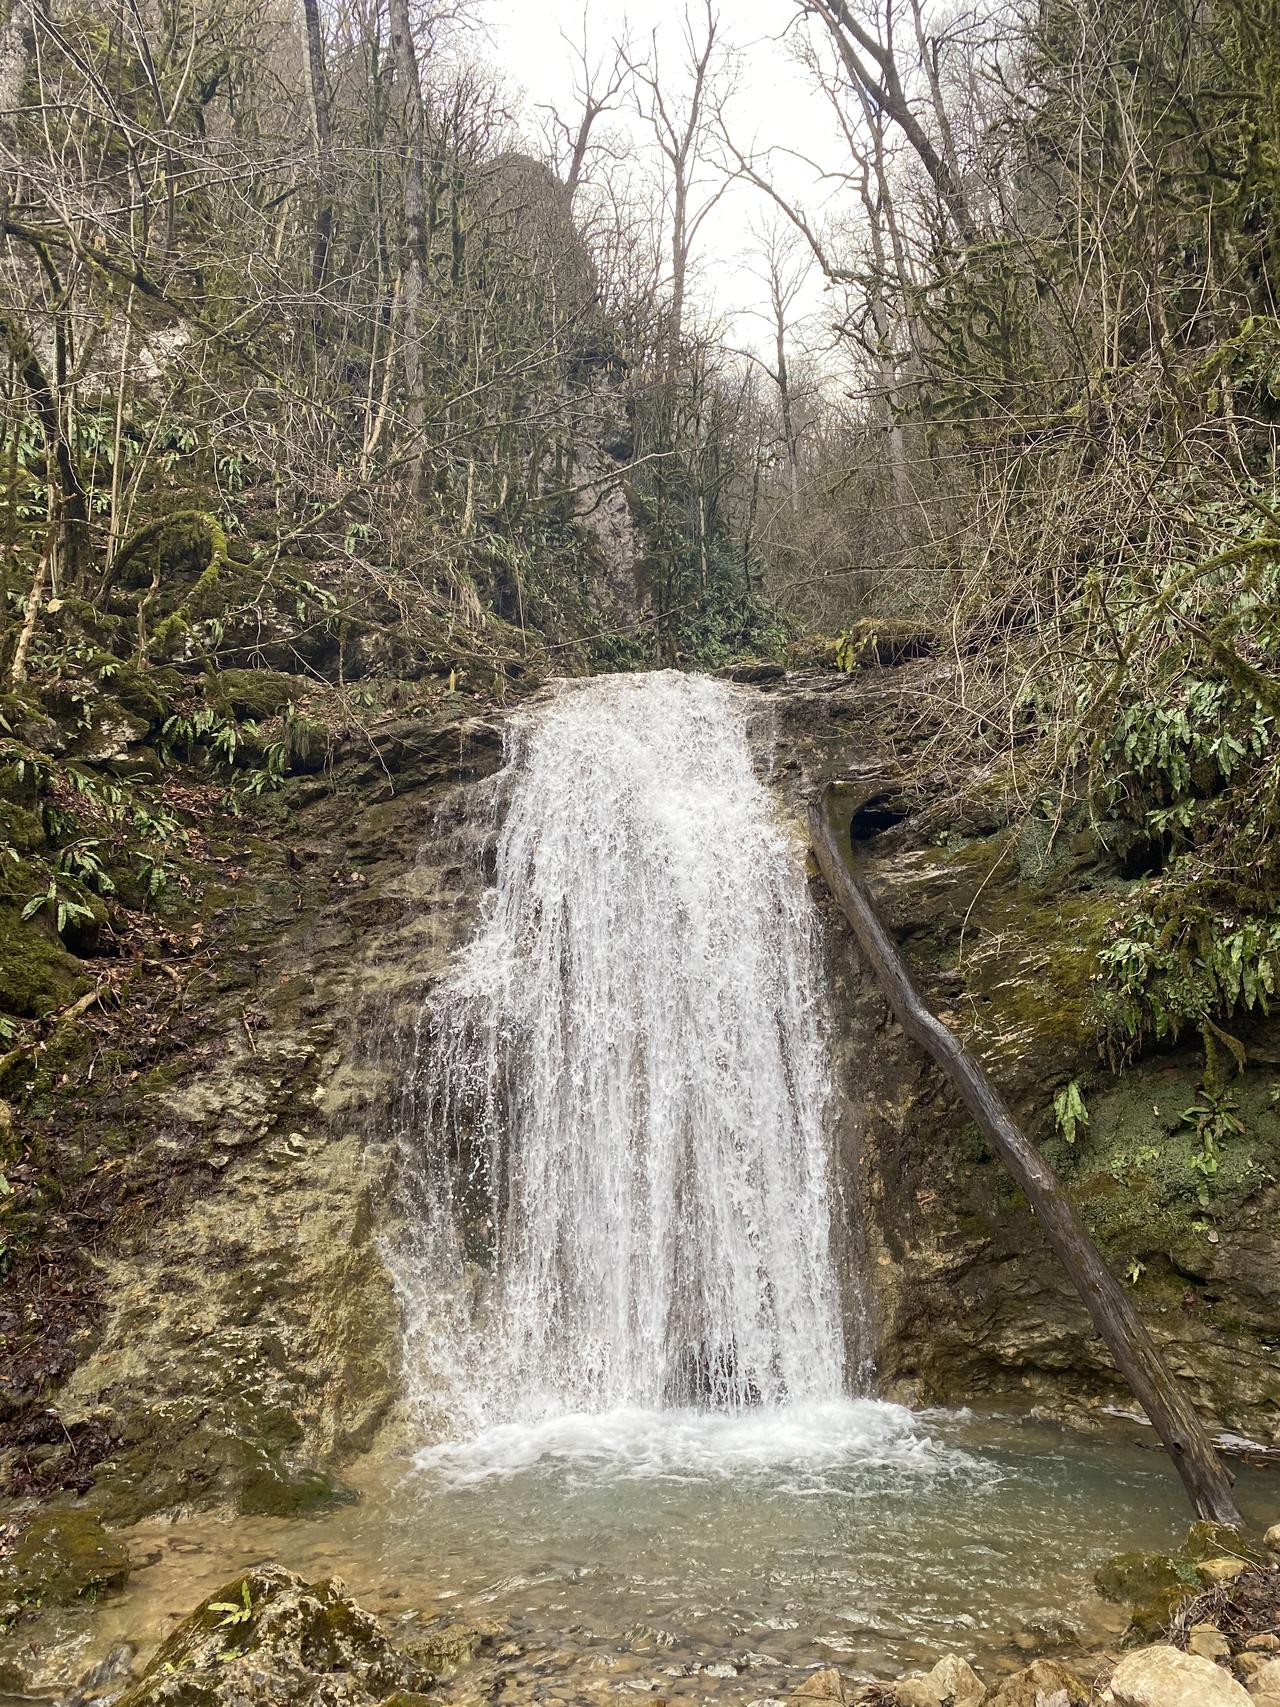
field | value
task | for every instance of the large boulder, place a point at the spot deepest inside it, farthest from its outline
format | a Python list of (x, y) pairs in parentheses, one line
[(274, 1640), (1151, 1585), (1165, 1677)]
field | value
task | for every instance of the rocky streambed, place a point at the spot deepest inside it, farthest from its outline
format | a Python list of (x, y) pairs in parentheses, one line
[(269, 1637)]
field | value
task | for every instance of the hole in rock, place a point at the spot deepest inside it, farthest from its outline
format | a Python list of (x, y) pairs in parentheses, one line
[(883, 811)]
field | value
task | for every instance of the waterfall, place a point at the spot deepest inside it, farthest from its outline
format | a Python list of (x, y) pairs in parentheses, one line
[(622, 1086)]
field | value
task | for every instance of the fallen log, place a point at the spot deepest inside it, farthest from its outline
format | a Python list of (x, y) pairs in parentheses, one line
[(1205, 1477)]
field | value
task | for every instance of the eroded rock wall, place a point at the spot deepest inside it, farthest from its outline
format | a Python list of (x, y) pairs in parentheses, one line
[(1002, 927), (248, 1344)]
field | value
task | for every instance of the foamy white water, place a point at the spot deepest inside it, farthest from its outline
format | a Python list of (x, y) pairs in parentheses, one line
[(792, 1447), (629, 1067)]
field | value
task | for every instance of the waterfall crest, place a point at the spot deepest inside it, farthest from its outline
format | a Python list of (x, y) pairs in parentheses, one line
[(624, 1082)]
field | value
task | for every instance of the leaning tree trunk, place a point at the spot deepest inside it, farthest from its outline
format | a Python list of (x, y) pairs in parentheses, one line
[(1114, 1316)]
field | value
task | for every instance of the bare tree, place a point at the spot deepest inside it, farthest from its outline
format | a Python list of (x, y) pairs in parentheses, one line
[(415, 208), (599, 84), (782, 270), (322, 129), (684, 122), (870, 57)]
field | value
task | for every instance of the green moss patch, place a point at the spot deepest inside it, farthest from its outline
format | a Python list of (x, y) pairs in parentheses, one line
[(253, 694), (1137, 1170), (37, 975), (62, 1555)]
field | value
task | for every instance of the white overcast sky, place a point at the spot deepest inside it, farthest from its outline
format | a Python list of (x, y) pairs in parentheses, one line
[(774, 107)]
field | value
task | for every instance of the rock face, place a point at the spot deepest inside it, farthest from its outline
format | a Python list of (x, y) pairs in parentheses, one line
[(1165, 1677), (274, 1640), (1001, 926), (250, 1346)]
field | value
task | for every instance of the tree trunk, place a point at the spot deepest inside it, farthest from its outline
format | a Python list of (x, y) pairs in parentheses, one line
[(1207, 1481), (318, 89), (415, 214)]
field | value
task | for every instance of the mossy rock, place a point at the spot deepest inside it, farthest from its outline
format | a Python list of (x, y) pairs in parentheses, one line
[(62, 1555), (41, 733), (207, 1455), (184, 546), (812, 652), (448, 1645), (1213, 1540), (37, 975), (112, 733), (271, 1638), (254, 695), (1133, 1172), (306, 745), (20, 827), (149, 694), (74, 617), (1151, 1585), (885, 641), (20, 783)]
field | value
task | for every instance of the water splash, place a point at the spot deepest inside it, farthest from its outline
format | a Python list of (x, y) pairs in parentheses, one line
[(627, 1081)]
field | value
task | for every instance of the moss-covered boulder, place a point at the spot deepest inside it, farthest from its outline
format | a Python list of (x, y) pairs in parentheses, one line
[(37, 975), (112, 731), (1151, 1585), (60, 1555), (235, 1453), (254, 695), (273, 1639), (20, 827), (884, 640), (150, 694), (812, 652), (1212, 1540), (40, 732)]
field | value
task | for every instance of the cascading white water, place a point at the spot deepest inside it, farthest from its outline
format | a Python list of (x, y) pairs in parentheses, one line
[(629, 1064)]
